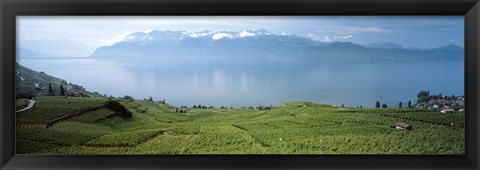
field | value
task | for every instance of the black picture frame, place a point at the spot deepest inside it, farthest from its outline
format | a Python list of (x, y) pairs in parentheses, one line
[(9, 9)]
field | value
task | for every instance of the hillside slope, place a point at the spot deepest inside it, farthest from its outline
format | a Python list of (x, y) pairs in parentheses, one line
[(31, 83)]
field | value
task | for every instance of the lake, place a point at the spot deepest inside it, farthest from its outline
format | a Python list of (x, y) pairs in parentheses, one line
[(352, 83)]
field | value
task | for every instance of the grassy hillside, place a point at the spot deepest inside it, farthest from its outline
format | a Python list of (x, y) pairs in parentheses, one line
[(157, 129)]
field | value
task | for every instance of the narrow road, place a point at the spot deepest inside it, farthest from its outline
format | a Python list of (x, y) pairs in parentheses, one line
[(31, 103)]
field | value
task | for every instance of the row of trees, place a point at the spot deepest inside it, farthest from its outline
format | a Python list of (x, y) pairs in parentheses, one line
[(400, 105), (223, 107), (180, 110), (202, 107), (51, 93), (205, 107), (149, 99)]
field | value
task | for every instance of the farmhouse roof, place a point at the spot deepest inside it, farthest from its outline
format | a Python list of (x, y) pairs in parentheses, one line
[(403, 125)]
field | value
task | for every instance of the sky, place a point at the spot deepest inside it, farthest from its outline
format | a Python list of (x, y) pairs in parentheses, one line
[(97, 31)]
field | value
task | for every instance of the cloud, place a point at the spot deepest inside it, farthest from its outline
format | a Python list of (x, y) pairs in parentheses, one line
[(352, 30), (327, 38), (343, 37)]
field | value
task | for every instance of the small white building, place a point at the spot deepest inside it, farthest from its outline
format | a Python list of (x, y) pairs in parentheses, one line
[(448, 110), (403, 126)]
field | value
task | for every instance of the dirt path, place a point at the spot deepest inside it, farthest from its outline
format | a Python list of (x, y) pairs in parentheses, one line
[(31, 103)]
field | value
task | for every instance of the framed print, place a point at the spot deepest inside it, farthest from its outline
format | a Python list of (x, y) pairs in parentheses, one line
[(254, 84)]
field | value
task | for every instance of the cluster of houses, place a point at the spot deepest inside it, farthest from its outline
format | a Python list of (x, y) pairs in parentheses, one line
[(443, 104)]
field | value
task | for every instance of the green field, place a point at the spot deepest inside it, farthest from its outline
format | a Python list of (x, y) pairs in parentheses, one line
[(293, 128)]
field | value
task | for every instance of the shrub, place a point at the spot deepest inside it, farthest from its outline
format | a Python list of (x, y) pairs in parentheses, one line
[(119, 109)]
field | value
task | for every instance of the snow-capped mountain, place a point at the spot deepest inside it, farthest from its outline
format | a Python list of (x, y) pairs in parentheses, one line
[(168, 35), (205, 44), (256, 46)]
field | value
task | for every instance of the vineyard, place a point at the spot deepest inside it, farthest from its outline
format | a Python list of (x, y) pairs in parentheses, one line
[(49, 108), (292, 128)]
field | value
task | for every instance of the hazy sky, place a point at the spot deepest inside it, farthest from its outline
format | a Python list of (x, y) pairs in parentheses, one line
[(410, 31)]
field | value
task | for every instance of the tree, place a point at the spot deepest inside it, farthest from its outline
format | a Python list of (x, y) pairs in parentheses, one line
[(176, 110), (343, 106), (127, 97), (409, 103), (422, 93), (118, 108), (194, 106), (400, 105), (150, 99), (384, 105), (50, 89), (361, 106), (62, 91), (377, 104), (440, 95)]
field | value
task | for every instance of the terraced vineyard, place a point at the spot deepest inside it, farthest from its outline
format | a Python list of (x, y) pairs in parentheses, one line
[(49, 108), (293, 128)]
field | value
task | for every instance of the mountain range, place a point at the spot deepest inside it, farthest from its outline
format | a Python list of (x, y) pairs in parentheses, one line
[(234, 46), (384, 45), (259, 45)]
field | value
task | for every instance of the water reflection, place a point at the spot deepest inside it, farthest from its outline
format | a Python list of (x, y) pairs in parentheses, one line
[(351, 83)]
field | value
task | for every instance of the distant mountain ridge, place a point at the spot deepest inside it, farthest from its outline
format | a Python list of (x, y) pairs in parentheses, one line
[(259, 46), (53, 48), (450, 47), (384, 45)]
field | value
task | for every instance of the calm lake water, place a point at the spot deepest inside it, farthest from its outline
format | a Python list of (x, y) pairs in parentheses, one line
[(352, 83)]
